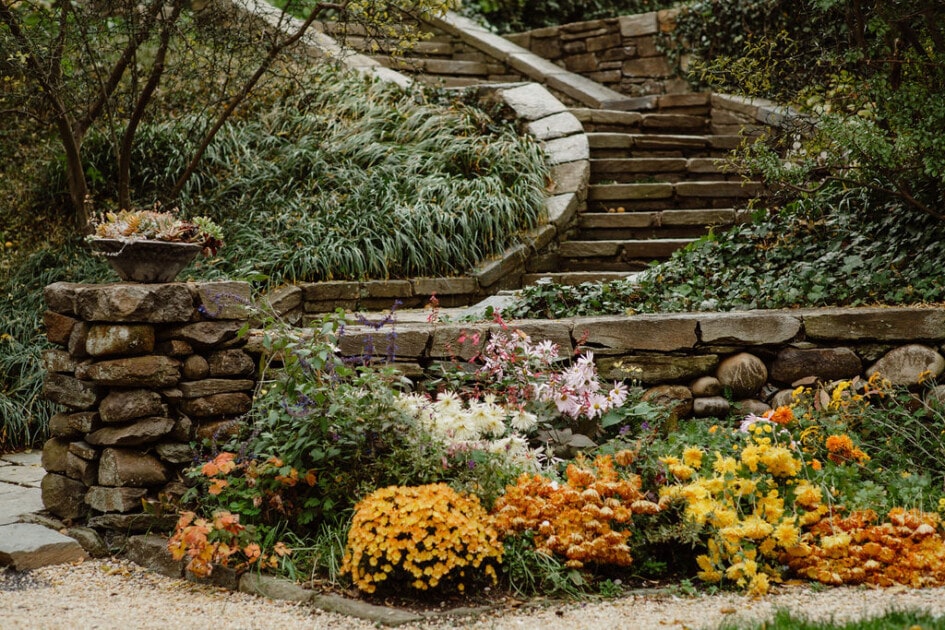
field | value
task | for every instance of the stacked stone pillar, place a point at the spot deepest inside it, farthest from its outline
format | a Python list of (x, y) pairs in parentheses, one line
[(142, 373)]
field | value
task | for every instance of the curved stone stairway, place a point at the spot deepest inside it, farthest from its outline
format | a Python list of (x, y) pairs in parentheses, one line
[(658, 171)]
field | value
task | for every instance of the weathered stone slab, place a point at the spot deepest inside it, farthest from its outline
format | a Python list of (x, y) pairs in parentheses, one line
[(230, 363), (445, 286), (639, 25), (562, 209), (105, 499), (222, 300), (652, 369), (532, 101), (85, 421), (83, 449), (907, 364), (321, 291), (60, 297), (386, 289), (175, 452), (571, 177), (381, 343), (174, 348), (204, 335), (117, 339), (17, 502), (25, 546), (124, 405), (59, 361), (512, 262), (284, 299), (828, 364), (29, 476), (274, 588), (81, 469), (70, 391), (89, 540), (150, 551), (879, 324), (230, 404), (748, 328), (555, 126), (558, 333), (63, 496), (143, 431), (609, 335), (60, 427), (211, 386), (382, 615), (119, 467), (76, 343), (146, 371), (568, 149), (58, 327), (54, 455), (145, 303), (460, 342)]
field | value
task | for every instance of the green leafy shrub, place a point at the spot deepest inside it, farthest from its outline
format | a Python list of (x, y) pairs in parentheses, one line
[(510, 16)]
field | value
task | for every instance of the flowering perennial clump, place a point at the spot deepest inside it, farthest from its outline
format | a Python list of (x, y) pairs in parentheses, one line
[(907, 548), (751, 503), (424, 537), (219, 540), (587, 520)]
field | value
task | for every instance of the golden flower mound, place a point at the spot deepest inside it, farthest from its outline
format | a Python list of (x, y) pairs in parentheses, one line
[(424, 537), (587, 520), (907, 548)]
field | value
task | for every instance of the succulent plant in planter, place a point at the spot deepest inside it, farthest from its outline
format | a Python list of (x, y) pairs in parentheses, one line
[(152, 245)]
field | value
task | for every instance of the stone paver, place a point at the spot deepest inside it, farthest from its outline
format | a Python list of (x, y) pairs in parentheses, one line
[(26, 546)]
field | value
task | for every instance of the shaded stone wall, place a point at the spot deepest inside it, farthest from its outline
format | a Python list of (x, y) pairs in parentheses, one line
[(700, 363), (620, 53), (140, 371)]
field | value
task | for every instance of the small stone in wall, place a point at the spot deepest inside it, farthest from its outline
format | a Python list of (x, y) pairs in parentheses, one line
[(783, 398), (744, 374), (677, 398), (195, 368), (710, 407), (792, 364), (124, 405), (104, 499), (144, 431), (750, 406), (120, 467), (63, 496), (231, 363), (904, 365), (706, 386)]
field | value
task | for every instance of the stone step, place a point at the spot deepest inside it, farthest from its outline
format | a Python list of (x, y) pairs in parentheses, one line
[(25, 546), (631, 145), (660, 218), (689, 120), (574, 278), (661, 169), (442, 67), (666, 195), (623, 249)]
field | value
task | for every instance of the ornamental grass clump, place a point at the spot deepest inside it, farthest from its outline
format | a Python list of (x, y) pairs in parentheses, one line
[(587, 520), (423, 537)]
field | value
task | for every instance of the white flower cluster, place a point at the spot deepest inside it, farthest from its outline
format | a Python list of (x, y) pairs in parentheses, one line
[(475, 424), (577, 392)]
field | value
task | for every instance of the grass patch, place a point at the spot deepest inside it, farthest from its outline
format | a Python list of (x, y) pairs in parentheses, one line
[(892, 620)]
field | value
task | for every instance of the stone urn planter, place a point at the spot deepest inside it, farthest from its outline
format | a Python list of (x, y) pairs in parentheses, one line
[(147, 261)]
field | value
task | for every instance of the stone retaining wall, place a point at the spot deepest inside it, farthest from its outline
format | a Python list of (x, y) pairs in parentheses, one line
[(701, 362), (141, 371), (621, 53)]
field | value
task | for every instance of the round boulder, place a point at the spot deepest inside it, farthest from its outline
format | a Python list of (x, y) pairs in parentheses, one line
[(744, 374), (710, 407), (706, 386), (905, 365)]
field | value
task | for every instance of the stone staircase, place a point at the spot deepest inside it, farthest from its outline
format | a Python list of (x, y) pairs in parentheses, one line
[(659, 180), (658, 176)]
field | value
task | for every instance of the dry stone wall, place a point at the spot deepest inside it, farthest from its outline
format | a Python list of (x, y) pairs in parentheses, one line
[(701, 364), (141, 372), (620, 53)]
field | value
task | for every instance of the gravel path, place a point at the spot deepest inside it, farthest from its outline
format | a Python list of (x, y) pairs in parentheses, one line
[(116, 594)]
